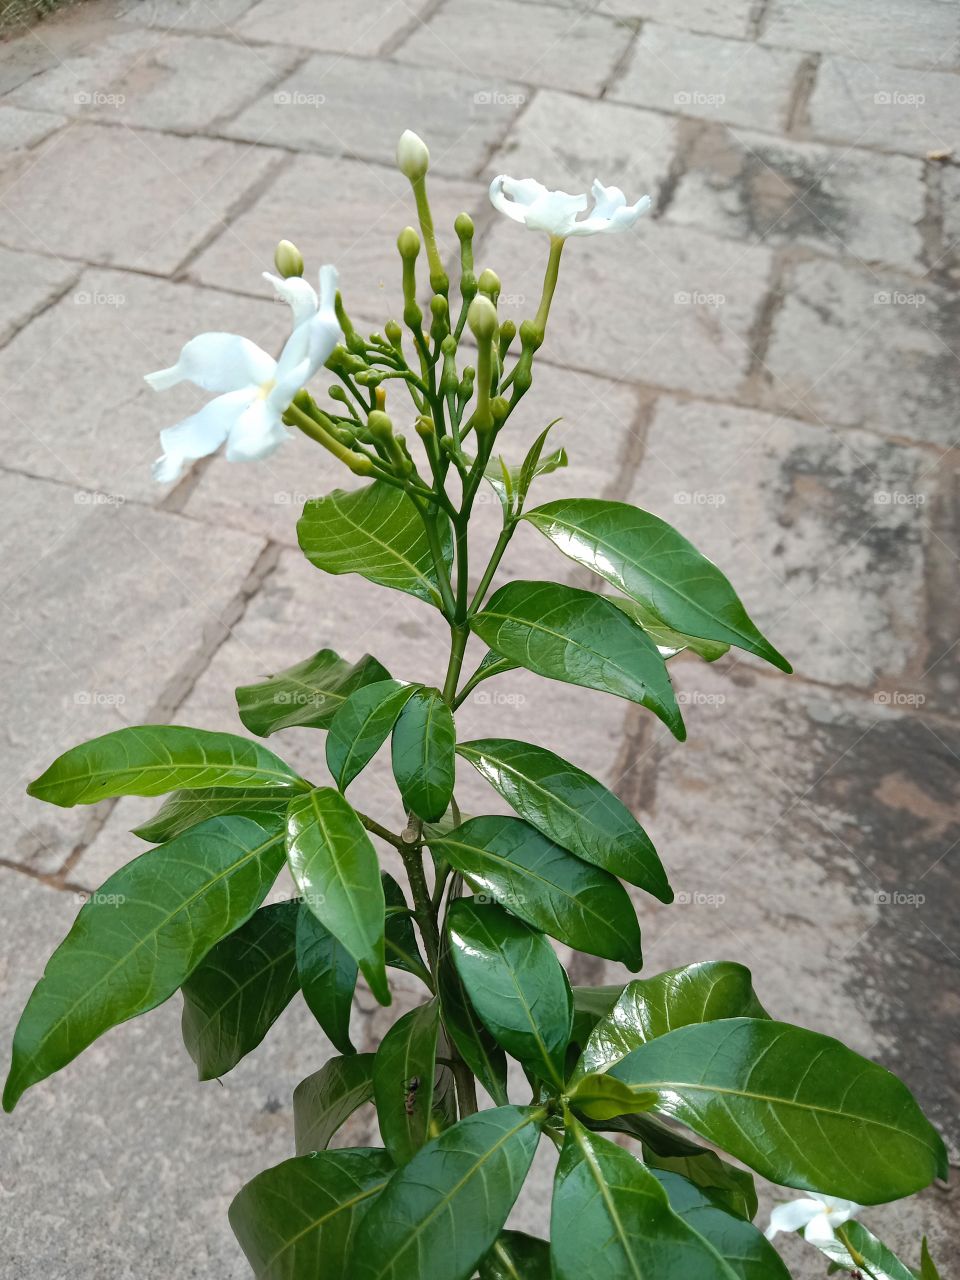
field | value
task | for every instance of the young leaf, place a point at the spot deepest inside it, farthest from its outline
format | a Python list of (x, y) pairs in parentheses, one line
[(516, 1256), (400, 938), (516, 984), (927, 1269), (440, 1214), (240, 988), (424, 763), (581, 638), (650, 1007), (668, 641), (152, 759), (307, 695), (335, 867), (139, 937), (571, 808), (601, 1097), (403, 1076), (650, 561), (362, 726), (300, 1218), (590, 1004), (328, 978), (512, 863), (324, 1101), (185, 809), (610, 1217), (376, 532), (474, 1042), (799, 1108)]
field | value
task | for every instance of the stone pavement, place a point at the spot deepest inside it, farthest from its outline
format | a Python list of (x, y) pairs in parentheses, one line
[(769, 362)]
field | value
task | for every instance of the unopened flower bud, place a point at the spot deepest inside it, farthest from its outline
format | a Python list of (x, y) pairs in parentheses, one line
[(381, 428), (413, 156), (489, 283), (482, 318), (394, 333), (408, 242), (499, 408), (288, 259)]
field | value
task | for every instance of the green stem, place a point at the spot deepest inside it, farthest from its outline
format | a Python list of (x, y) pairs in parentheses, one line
[(506, 533), (412, 855), (549, 285)]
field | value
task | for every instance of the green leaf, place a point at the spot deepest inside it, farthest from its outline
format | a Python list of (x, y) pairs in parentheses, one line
[(580, 638), (745, 1249), (139, 937), (590, 1004), (650, 1007), (402, 948), (300, 1218), (546, 886), (601, 1097), (307, 695), (516, 1256), (403, 1077), (507, 481), (240, 988), (655, 565), (328, 978), (335, 867), (424, 763), (446, 1207), (927, 1269), (328, 1098), (185, 809), (473, 1041), (663, 1148), (800, 1108), (869, 1254), (516, 984), (376, 532), (610, 1217), (570, 807), (362, 726), (668, 641), (154, 758)]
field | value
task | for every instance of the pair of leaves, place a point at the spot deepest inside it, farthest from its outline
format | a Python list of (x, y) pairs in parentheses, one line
[(306, 695)]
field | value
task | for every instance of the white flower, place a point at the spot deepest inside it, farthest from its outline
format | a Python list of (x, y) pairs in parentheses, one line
[(413, 157), (815, 1214), (527, 201), (253, 390)]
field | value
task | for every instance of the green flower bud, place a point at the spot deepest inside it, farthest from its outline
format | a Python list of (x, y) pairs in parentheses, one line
[(489, 283), (413, 156), (379, 425), (499, 408), (288, 259), (408, 242), (508, 331), (425, 426), (482, 318), (394, 334), (370, 377)]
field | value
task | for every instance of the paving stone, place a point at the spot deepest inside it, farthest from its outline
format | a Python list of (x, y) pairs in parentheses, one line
[(804, 522), (27, 284), (337, 25), (950, 261), (540, 46), (138, 200), (157, 81), (338, 105), (186, 15), (696, 75), (877, 105), (716, 17), (664, 305), (97, 431), (923, 33), (107, 608), (566, 142), (859, 348), (21, 129), (341, 211), (840, 201), (23, 56)]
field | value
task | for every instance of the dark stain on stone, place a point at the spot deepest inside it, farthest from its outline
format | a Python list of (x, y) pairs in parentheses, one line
[(272, 1106)]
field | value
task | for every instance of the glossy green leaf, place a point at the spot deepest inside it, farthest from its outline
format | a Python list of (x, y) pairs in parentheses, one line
[(306, 695), (927, 1269), (473, 1041), (139, 937), (403, 1077), (610, 1217), (402, 948), (300, 1218), (799, 1108), (446, 1207), (240, 988), (650, 1007), (152, 759), (377, 532), (570, 807), (362, 726), (868, 1253), (516, 984), (513, 482), (328, 1098), (328, 978), (602, 1097), (590, 1004), (517, 1256), (731, 1188), (578, 637), (513, 864), (668, 641), (647, 559), (335, 867), (745, 1249), (185, 809), (422, 748)]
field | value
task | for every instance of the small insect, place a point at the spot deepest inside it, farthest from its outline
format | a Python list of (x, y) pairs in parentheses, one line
[(410, 1094)]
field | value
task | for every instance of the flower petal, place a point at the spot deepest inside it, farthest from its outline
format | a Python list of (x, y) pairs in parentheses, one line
[(792, 1216), (818, 1230), (328, 288), (205, 432), (298, 293), (217, 362), (256, 433), (168, 468)]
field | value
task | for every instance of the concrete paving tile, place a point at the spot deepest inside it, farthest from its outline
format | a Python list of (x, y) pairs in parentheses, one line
[(28, 283), (142, 200), (338, 105), (107, 609), (336, 26), (925, 33), (865, 349), (950, 181), (840, 201), (20, 129), (715, 17), (733, 81), (186, 15)]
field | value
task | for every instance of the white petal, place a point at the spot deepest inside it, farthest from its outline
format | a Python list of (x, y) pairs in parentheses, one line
[(840, 1211), (556, 213), (610, 212), (205, 432), (606, 200), (818, 1231), (328, 288), (217, 362), (792, 1216), (298, 293), (256, 433), (167, 468), (522, 192)]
